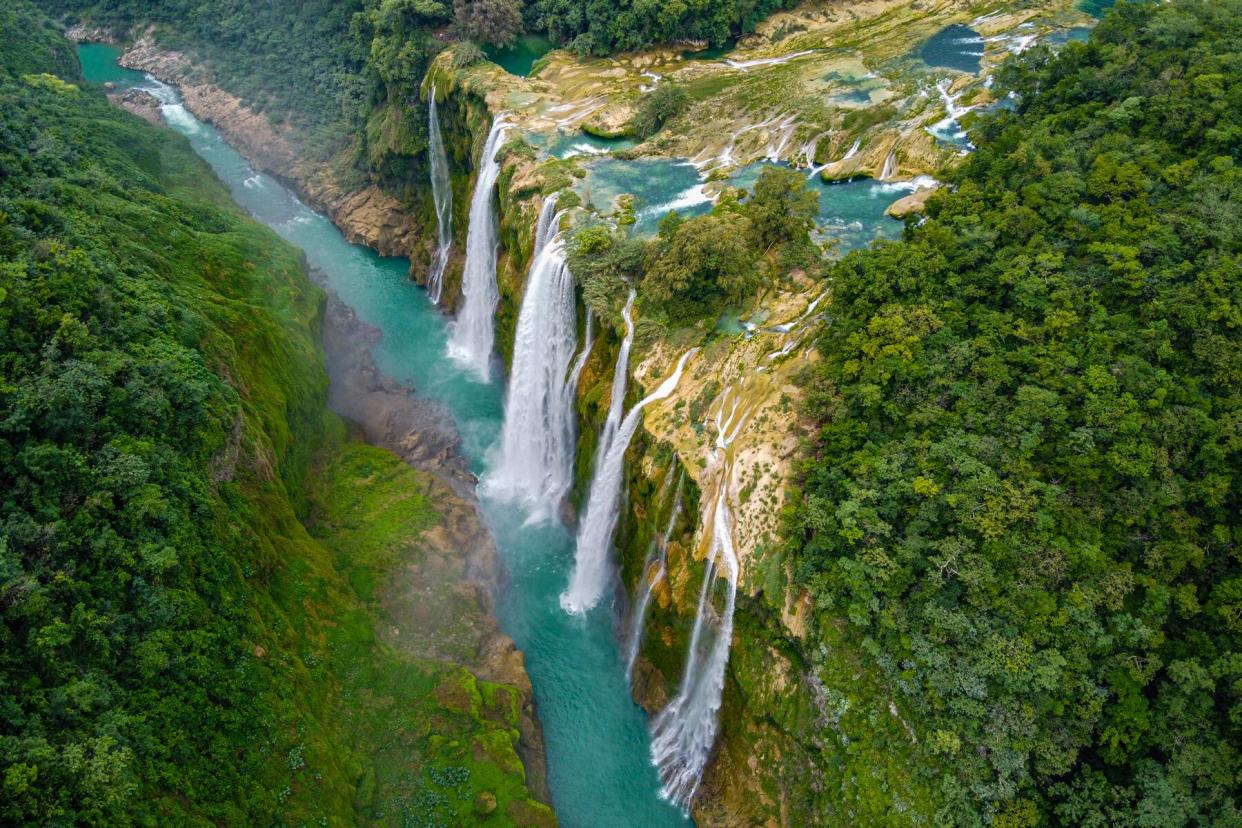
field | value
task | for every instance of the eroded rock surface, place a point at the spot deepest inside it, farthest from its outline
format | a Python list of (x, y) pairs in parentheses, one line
[(365, 214)]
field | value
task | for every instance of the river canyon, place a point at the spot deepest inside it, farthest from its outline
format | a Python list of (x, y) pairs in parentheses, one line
[(632, 481)]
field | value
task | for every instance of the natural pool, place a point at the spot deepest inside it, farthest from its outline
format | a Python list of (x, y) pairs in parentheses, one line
[(954, 47), (570, 144), (658, 185), (519, 59), (599, 765), (851, 213)]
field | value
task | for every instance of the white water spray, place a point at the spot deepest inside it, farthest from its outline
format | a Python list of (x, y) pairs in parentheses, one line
[(772, 61), (535, 464), (890, 166), (472, 335), (442, 195), (683, 733), (591, 559)]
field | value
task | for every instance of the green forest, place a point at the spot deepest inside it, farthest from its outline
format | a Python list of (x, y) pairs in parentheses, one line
[(1017, 501), (186, 639), (1022, 492)]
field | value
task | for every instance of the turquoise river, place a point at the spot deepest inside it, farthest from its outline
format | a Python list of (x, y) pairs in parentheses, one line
[(599, 768)]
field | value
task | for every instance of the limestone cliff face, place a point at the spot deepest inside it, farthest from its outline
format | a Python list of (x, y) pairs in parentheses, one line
[(364, 213), (765, 764)]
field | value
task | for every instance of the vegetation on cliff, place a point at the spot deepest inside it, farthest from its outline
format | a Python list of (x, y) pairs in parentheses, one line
[(176, 645), (599, 27), (1022, 492)]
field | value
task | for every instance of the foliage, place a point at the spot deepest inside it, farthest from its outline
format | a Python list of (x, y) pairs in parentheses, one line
[(661, 105), (326, 66), (175, 647), (498, 22), (604, 263), (1022, 494), (602, 27), (467, 54), (782, 208), (699, 263)]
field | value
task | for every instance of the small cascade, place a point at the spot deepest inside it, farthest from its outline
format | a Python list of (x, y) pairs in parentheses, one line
[(853, 150), (472, 335), (537, 441), (683, 733), (949, 129), (653, 573), (442, 195), (588, 341), (890, 166), (591, 560)]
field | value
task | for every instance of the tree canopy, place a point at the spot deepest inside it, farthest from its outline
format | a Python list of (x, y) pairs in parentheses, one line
[(1022, 492)]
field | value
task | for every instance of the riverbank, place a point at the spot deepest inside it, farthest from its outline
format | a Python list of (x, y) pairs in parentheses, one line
[(598, 767), (364, 213), (438, 596)]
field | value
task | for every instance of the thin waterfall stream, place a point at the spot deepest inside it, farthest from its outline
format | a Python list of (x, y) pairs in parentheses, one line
[(442, 195), (655, 568), (592, 561)]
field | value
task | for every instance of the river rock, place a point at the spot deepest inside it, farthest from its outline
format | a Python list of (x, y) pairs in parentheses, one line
[(140, 102)]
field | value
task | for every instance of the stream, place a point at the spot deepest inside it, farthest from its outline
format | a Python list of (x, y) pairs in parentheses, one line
[(599, 766)]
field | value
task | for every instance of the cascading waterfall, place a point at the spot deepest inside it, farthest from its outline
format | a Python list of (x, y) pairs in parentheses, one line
[(683, 733), (654, 570), (620, 377), (535, 465), (591, 564), (442, 195), (588, 341), (890, 166), (472, 335), (547, 225)]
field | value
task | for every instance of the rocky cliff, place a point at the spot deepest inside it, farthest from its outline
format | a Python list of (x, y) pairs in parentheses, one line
[(364, 212)]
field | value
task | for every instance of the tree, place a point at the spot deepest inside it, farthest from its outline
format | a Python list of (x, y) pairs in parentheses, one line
[(661, 105), (698, 264), (498, 22), (782, 208)]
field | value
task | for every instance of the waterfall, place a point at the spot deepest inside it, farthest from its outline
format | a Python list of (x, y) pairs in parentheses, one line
[(471, 337), (588, 340), (683, 733), (547, 225), (591, 565), (535, 465), (654, 570), (852, 151), (890, 166), (442, 195)]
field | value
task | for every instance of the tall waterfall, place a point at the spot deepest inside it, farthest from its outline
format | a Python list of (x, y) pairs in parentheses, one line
[(682, 733), (591, 564), (537, 442), (472, 335), (442, 195), (654, 570)]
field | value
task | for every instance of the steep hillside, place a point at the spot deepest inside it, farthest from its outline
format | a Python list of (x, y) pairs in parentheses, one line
[(194, 562), (1022, 494)]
